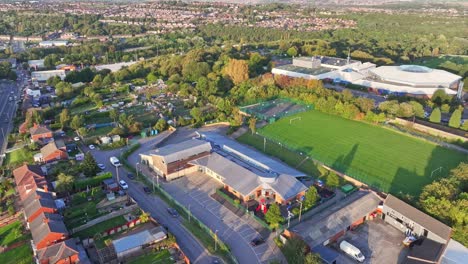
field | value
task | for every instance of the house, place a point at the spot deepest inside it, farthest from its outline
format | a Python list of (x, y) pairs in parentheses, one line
[(248, 182), (409, 219), (37, 195), (47, 229), (55, 150), (172, 161), (40, 133), (241, 171), (42, 205), (29, 178), (128, 245), (64, 252), (434, 236)]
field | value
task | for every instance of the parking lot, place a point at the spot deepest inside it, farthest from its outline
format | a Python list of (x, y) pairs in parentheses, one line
[(378, 242), (193, 191)]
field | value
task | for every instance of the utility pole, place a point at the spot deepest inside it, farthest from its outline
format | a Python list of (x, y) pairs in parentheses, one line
[(137, 169), (300, 211), (189, 213), (216, 239), (264, 144)]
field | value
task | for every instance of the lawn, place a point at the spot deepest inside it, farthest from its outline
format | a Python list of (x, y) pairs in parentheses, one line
[(160, 257), (19, 255), (101, 227), (12, 233), (380, 157), (19, 156), (102, 131)]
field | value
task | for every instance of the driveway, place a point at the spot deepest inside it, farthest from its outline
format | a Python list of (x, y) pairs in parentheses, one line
[(194, 250)]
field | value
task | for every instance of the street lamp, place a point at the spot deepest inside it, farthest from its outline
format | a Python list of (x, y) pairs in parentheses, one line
[(216, 239), (300, 210), (137, 164)]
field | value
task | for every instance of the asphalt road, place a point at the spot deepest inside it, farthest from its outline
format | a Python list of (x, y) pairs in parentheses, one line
[(194, 250), (7, 110)]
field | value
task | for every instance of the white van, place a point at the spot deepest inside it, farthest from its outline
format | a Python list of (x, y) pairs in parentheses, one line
[(115, 161), (352, 251)]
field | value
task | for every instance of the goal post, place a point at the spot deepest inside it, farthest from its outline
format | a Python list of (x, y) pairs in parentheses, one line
[(294, 119)]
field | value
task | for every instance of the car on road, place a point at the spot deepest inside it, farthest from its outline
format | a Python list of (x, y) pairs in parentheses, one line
[(147, 190), (257, 241), (115, 161), (172, 212), (123, 184), (131, 176), (101, 166), (76, 138), (91, 147)]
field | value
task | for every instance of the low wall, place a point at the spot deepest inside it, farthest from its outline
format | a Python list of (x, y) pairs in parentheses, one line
[(429, 130)]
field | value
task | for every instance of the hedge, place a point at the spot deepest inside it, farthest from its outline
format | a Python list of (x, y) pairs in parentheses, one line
[(92, 182)]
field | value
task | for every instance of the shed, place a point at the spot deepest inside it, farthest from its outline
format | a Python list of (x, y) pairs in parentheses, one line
[(134, 243), (110, 185), (116, 138), (105, 140)]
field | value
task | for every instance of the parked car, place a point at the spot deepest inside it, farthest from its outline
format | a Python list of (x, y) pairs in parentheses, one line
[(147, 190), (91, 147), (257, 241), (131, 176), (172, 212), (352, 251), (123, 184), (115, 161), (76, 138), (101, 166)]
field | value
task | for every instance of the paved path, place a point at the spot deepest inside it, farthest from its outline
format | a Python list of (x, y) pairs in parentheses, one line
[(194, 250)]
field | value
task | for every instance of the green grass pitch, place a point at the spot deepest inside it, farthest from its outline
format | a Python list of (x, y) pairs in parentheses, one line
[(380, 157)]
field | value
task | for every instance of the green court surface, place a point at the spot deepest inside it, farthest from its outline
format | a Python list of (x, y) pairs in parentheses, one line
[(385, 159)]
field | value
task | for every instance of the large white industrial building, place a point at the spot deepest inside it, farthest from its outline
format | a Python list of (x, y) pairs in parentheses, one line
[(400, 80), (42, 76)]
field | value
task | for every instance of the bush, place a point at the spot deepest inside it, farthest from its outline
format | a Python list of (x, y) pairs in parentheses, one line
[(237, 202), (11, 209), (295, 211), (92, 182)]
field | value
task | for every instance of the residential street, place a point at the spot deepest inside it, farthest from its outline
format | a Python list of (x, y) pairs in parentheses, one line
[(194, 250)]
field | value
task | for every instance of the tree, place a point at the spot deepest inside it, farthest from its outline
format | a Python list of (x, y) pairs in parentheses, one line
[(151, 77), (117, 131), (253, 125), (161, 125), (365, 104), (312, 258), (292, 52), (445, 108), (113, 114), (273, 216), (332, 181), (64, 183), (418, 109), (295, 250), (311, 197), (77, 122), (108, 80), (144, 217), (196, 113), (465, 125), (89, 165), (237, 70), (64, 117), (435, 116), (455, 119), (82, 131), (405, 110)]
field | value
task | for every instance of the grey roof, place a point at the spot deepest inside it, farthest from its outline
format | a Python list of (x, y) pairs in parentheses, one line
[(250, 155), (37, 204), (58, 251), (37, 130), (429, 251), (139, 239), (180, 151), (51, 147), (428, 222), (37, 195), (237, 177), (318, 229), (455, 253), (244, 178), (45, 224), (287, 186)]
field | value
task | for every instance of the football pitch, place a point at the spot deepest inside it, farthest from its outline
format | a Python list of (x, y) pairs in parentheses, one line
[(388, 160)]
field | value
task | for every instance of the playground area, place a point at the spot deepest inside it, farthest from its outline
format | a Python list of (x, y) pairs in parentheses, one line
[(275, 109)]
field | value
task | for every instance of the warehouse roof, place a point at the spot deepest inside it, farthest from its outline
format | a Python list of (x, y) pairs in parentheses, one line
[(428, 222), (416, 75)]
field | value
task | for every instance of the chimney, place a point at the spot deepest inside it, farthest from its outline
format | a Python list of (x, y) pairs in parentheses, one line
[(46, 188), (35, 125), (46, 220)]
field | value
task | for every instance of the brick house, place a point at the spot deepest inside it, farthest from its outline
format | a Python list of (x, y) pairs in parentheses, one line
[(42, 205), (47, 229), (55, 150), (64, 252), (173, 161), (40, 133), (29, 178)]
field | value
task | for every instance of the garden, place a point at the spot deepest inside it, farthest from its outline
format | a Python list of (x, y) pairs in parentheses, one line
[(14, 235)]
